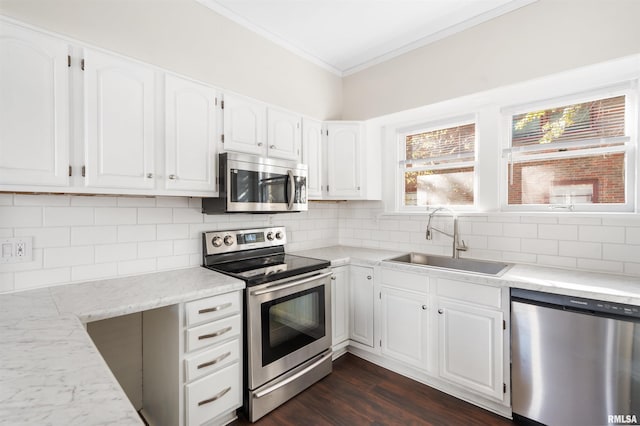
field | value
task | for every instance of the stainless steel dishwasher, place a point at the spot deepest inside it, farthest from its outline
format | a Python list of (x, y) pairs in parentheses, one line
[(575, 361)]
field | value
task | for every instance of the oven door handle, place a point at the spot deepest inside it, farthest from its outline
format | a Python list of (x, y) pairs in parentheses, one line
[(292, 189), (292, 378), (289, 284)]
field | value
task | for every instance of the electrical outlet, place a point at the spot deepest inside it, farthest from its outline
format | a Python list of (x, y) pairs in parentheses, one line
[(16, 250)]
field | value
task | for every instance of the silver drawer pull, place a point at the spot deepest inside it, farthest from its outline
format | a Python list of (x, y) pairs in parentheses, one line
[(213, 361), (214, 309), (216, 334), (215, 398)]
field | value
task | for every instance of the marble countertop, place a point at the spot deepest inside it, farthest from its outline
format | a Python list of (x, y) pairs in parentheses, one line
[(608, 287), (51, 372)]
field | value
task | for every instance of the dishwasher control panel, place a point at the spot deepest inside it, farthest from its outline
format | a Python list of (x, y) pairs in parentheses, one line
[(562, 301)]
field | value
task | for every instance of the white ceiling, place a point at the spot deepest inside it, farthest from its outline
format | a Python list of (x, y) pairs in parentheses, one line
[(346, 36)]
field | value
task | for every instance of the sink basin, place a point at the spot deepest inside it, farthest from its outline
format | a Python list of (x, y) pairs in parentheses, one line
[(486, 267)]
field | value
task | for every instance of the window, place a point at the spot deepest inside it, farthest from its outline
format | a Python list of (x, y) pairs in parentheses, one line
[(574, 156), (437, 166)]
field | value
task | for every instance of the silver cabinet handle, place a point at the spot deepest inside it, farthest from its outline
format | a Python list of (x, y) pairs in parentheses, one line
[(440, 311), (215, 308), (368, 277), (272, 146), (149, 175), (259, 143), (216, 334), (215, 398), (213, 361), (424, 307), (173, 177)]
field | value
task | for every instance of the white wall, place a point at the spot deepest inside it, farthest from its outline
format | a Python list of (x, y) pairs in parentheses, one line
[(602, 243), (545, 37), (82, 238), (188, 38)]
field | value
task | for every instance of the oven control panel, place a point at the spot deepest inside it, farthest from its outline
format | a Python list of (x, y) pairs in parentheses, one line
[(216, 242)]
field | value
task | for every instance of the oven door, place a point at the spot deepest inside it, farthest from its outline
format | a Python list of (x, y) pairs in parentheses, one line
[(288, 322), (267, 186)]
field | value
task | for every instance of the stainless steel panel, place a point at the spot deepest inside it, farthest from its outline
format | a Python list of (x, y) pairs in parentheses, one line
[(276, 392), (571, 368), (468, 265)]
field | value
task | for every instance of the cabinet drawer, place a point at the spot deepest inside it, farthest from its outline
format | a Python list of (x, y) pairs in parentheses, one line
[(474, 293), (212, 308), (213, 395), (212, 333), (405, 280), (211, 360)]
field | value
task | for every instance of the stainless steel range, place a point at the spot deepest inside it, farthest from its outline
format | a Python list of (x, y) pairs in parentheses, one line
[(287, 313)]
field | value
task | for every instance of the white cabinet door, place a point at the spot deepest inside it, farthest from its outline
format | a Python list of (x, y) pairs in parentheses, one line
[(312, 156), (119, 122), (405, 326), (244, 125), (190, 120), (283, 134), (471, 347), (340, 305), (344, 162), (361, 305), (34, 108)]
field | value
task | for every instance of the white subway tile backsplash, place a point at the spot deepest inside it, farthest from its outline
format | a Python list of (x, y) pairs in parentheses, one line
[(195, 203), (549, 247), (68, 256), (172, 202), (621, 252), (561, 262), (489, 228), (155, 215), (93, 201), (188, 216), (172, 232), (68, 216), (172, 262), (8, 232), (191, 246), (41, 278), (558, 232), (516, 257), (632, 268), (6, 282), (580, 249), (116, 252), (632, 236), (503, 243), (40, 200), (84, 235), (116, 216), (572, 220), (155, 249), (522, 230), (539, 219), (601, 265), (6, 200), (46, 237), (136, 202), (129, 233), (35, 264), (131, 267), (94, 272), (20, 217), (602, 234)]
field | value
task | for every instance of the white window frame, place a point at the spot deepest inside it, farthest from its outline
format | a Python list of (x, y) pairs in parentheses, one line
[(402, 134), (630, 90)]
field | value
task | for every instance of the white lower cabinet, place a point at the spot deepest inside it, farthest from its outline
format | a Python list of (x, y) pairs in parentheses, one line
[(192, 362), (340, 307), (361, 305)]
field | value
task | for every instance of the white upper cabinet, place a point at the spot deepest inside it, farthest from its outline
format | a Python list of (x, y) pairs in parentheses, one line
[(283, 134), (119, 122), (345, 159), (312, 156), (190, 132), (244, 125), (34, 108)]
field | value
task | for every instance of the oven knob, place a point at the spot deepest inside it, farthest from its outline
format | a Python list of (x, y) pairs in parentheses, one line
[(270, 236), (279, 235), (228, 240), (217, 241)]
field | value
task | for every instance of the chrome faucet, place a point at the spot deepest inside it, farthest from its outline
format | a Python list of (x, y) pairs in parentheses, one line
[(458, 245)]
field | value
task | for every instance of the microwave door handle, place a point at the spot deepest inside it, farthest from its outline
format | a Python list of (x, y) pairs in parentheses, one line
[(292, 189)]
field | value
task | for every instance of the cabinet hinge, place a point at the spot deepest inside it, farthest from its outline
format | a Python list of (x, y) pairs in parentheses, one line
[(380, 295), (504, 388), (84, 169), (504, 325), (82, 65), (380, 342), (222, 138), (70, 170), (222, 104), (69, 60), (327, 188)]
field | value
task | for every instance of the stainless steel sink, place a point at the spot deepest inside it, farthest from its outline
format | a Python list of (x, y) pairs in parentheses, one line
[(486, 267)]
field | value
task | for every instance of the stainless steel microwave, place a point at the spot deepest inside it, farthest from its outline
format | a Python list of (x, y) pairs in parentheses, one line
[(251, 184)]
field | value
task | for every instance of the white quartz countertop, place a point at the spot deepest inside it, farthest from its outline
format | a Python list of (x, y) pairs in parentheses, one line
[(51, 372), (608, 287)]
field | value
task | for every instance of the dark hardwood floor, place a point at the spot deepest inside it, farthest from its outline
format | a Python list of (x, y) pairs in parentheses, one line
[(361, 393)]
